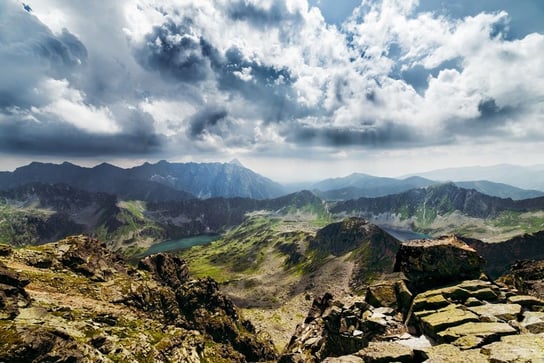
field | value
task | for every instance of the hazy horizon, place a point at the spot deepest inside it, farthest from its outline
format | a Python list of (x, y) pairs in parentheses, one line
[(297, 90)]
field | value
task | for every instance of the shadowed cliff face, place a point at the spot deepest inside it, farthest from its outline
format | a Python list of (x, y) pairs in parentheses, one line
[(74, 300), (373, 250), (501, 256)]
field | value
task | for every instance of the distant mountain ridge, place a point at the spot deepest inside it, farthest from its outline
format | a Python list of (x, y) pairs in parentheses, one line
[(527, 177), (158, 182), (359, 185), (442, 198)]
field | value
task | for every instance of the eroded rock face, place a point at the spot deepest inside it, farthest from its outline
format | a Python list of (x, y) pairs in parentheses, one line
[(168, 269), (12, 293), (431, 263), (527, 276)]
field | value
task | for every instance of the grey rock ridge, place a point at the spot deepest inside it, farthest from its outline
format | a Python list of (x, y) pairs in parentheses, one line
[(446, 316)]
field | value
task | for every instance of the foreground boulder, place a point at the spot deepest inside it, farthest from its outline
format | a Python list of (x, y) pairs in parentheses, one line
[(12, 293), (438, 262), (446, 312)]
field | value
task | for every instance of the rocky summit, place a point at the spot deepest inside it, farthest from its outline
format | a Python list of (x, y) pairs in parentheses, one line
[(75, 301), (438, 307)]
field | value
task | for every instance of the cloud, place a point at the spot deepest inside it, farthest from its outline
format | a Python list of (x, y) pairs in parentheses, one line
[(262, 77)]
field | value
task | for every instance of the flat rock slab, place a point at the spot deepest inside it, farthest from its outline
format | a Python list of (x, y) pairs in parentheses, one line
[(422, 302), (434, 323), (501, 311), (487, 331), (516, 348), (382, 352), (445, 353), (344, 359), (533, 321), (525, 300)]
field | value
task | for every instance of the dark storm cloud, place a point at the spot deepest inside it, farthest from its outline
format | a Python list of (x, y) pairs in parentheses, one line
[(268, 86), (48, 137), (180, 54), (491, 122), (205, 120), (260, 17), (27, 57), (175, 52), (384, 135)]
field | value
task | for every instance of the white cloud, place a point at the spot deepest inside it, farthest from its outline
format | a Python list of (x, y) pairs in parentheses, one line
[(67, 104)]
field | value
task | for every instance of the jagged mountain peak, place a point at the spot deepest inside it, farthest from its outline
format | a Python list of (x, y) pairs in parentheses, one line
[(236, 162)]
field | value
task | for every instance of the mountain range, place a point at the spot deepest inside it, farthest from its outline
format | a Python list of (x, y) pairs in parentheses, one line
[(164, 181)]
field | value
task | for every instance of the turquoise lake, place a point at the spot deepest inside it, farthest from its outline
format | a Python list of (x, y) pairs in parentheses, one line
[(181, 244)]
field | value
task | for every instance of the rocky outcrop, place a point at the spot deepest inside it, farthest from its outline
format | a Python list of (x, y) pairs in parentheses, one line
[(449, 318), (431, 263), (333, 329), (12, 293), (527, 276), (89, 306), (372, 249), (165, 268)]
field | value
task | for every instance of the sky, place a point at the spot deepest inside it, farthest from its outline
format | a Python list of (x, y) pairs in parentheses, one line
[(296, 90)]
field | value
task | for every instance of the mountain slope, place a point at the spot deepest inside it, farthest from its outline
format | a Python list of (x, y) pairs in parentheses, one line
[(446, 208), (207, 180), (362, 185), (76, 301), (271, 266)]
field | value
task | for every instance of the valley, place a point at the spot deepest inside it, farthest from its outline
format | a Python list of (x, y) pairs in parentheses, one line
[(273, 257)]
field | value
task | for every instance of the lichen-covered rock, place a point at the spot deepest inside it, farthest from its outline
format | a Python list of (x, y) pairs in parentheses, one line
[(89, 306), (391, 291), (487, 331), (503, 312), (516, 348), (450, 316), (446, 353), (5, 250), (533, 321), (432, 263), (383, 352)]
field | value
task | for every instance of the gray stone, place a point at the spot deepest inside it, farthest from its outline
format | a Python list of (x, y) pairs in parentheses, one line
[(382, 352), (434, 323), (533, 321), (501, 311), (446, 353), (516, 348), (487, 331)]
